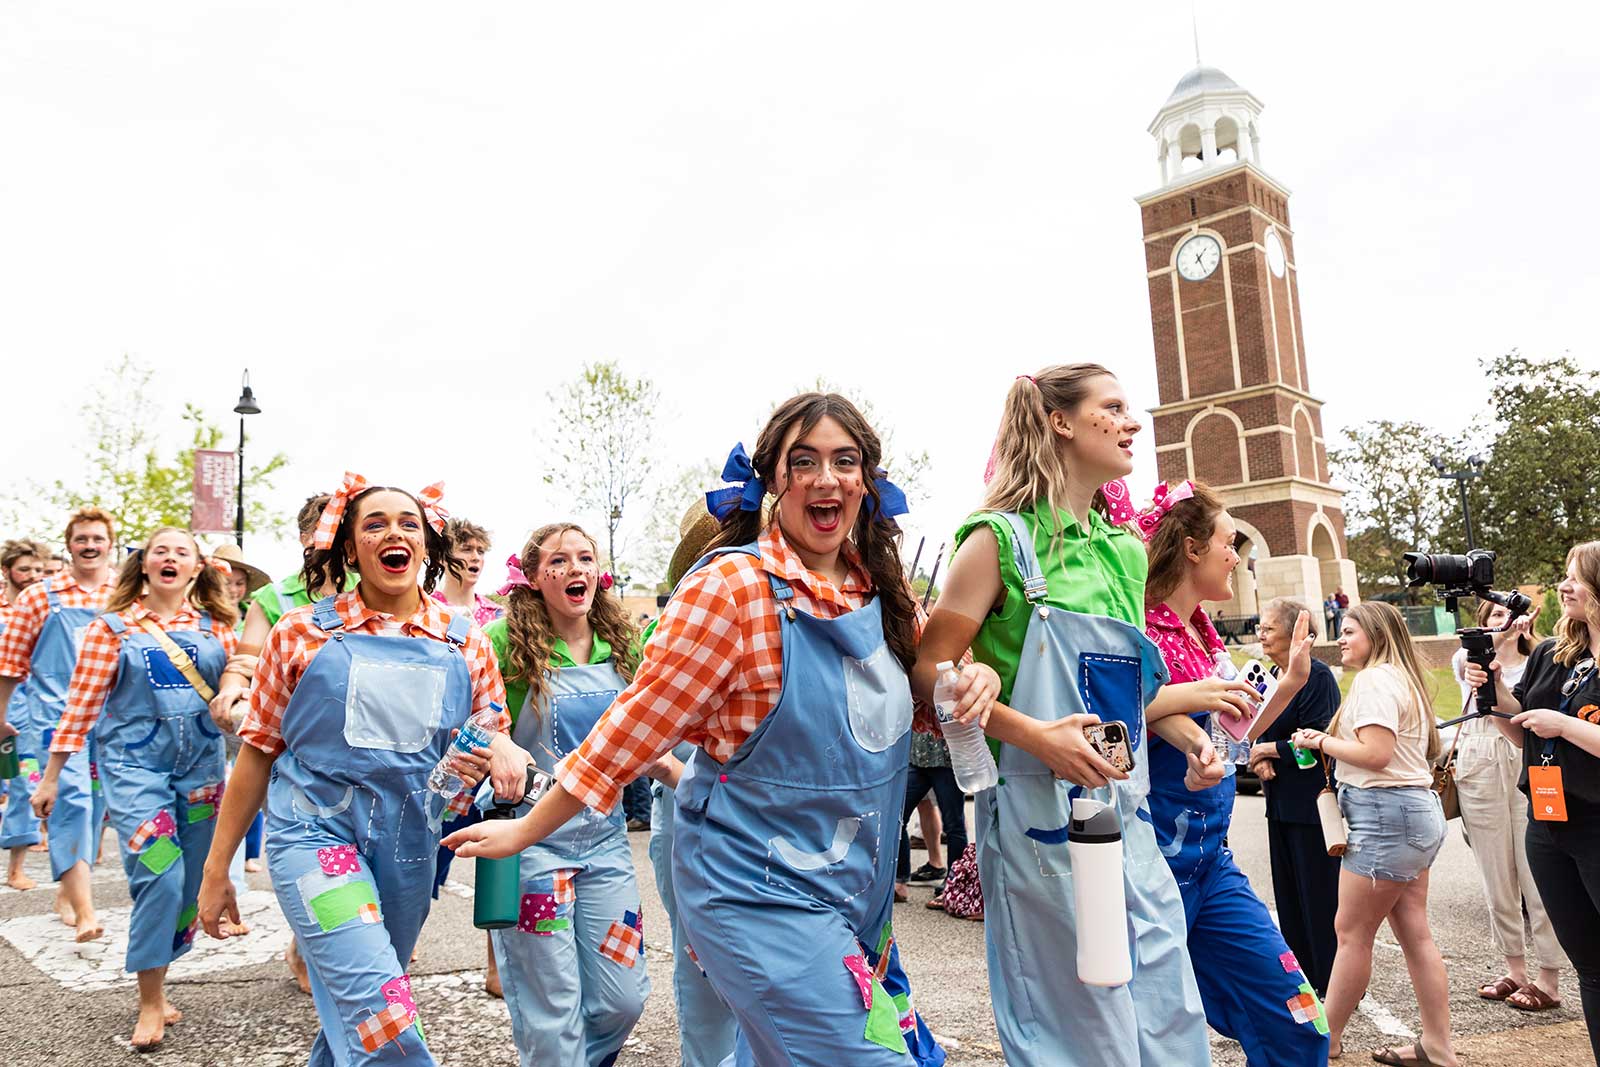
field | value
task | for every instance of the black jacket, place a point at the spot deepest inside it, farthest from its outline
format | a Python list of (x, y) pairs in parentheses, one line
[(1292, 795)]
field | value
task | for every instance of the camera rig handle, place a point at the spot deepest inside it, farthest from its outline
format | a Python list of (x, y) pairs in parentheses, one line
[(1479, 643)]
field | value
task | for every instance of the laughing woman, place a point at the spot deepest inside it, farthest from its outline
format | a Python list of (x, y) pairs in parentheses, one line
[(143, 676), (782, 657), (354, 702)]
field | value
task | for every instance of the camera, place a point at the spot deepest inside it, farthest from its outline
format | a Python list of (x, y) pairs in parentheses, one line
[(1468, 575)]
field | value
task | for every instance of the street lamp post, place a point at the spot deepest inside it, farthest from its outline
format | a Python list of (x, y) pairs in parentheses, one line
[(1474, 469), (245, 406), (611, 539)]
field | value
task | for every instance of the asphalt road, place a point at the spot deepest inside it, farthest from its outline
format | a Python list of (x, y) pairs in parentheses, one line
[(72, 1005)]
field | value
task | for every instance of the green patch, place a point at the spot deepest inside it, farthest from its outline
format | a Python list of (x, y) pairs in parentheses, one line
[(30, 766), (885, 936), (550, 926), (189, 915), (417, 1023), (160, 854), (201, 812), (903, 1002), (343, 904), (883, 1021), (1321, 1021)]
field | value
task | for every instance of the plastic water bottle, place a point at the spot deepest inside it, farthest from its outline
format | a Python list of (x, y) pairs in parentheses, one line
[(476, 732), (1232, 753), (1094, 848), (970, 757)]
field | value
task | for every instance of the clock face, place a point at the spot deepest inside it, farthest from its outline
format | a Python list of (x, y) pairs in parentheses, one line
[(1198, 257), (1275, 260)]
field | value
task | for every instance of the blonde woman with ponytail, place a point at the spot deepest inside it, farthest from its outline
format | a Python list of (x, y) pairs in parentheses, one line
[(1384, 739)]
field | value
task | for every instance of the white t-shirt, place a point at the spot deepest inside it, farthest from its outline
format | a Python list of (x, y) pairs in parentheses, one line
[(1382, 696)]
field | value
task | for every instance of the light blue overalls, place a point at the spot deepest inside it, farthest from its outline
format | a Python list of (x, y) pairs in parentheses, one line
[(783, 858), (573, 967), (706, 1030), (80, 809), (161, 765), (19, 827), (1074, 664), (353, 829)]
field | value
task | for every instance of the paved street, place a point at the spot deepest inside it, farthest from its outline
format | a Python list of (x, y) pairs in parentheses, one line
[(71, 1005)]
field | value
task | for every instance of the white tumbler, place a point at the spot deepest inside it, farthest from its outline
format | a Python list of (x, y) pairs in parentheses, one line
[(1094, 844)]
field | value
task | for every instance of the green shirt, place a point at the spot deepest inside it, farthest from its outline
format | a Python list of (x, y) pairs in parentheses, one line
[(560, 656), (290, 592), (1098, 573)]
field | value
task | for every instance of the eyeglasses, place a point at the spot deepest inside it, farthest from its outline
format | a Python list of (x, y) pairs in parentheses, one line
[(1580, 674)]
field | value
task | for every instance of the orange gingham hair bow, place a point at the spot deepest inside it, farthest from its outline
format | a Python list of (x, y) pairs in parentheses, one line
[(353, 486)]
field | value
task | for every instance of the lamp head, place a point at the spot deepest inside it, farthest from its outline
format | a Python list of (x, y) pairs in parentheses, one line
[(247, 398)]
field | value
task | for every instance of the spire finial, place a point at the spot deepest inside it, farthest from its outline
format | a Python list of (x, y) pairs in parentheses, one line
[(1194, 22)]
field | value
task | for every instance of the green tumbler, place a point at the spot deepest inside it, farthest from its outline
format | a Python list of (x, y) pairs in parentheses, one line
[(497, 896), (10, 765)]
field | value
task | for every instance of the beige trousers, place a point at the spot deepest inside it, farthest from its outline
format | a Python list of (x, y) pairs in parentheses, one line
[(1495, 815)]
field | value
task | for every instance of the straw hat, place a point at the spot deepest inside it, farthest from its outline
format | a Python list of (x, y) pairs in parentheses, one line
[(695, 531), (256, 577)]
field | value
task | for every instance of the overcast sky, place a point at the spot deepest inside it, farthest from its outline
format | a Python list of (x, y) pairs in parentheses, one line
[(409, 222)]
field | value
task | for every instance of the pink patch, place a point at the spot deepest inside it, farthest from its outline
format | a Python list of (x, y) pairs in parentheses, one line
[(398, 991), (339, 859), (1290, 964), (206, 794), (94, 771), (857, 966), (162, 824), (536, 907)]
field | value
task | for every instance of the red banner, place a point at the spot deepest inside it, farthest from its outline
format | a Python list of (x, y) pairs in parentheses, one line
[(215, 476)]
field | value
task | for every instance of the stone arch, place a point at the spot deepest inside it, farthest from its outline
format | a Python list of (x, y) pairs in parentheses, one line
[(1215, 440), (1305, 444), (1252, 549), (1322, 541)]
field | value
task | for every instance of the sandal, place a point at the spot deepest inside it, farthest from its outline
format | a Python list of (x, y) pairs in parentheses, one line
[(1500, 989), (1531, 998), (1393, 1057)]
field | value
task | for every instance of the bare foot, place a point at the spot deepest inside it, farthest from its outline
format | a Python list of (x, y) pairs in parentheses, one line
[(169, 1014), (42, 846), (89, 929), (233, 929), (297, 966), (150, 1029), (254, 866), (63, 909), (19, 880)]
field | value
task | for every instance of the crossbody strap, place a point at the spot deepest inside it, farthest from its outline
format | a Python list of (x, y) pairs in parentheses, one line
[(180, 659)]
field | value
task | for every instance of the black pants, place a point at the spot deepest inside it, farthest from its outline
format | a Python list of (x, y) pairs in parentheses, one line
[(952, 810), (1565, 860), (636, 800), (1305, 884)]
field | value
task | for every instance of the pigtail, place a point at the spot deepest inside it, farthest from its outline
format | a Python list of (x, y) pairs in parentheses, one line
[(130, 582), (210, 593)]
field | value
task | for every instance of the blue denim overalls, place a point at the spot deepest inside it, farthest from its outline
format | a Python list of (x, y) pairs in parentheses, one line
[(573, 967), (706, 1030), (18, 825), (80, 809), (353, 829), (1250, 983), (783, 857), (1072, 664), (161, 765)]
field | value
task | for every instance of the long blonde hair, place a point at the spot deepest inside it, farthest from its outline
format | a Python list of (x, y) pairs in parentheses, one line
[(1027, 459), (1391, 643), (531, 639), (1572, 636), (208, 591)]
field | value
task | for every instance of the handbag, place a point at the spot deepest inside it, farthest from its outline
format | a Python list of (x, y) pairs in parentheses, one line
[(1444, 777), (1335, 835)]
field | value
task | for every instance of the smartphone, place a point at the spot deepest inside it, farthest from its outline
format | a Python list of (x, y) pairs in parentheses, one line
[(1262, 681), (1110, 739)]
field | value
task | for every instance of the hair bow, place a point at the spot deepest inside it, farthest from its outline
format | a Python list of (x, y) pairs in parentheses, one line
[(514, 576), (353, 486), (220, 564), (1119, 505), (746, 492), (891, 499)]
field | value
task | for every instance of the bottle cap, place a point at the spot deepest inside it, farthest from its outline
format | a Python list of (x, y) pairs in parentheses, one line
[(944, 665), (1093, 822)]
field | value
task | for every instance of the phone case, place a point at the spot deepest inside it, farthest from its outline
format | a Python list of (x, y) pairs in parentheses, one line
[(1115, 752), (1261, 679)]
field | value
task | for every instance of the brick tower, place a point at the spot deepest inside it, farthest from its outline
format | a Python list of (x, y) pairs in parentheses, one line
[(1236, 409)]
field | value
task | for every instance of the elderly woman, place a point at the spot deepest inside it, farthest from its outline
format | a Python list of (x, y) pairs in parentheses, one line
[(1305, 879)]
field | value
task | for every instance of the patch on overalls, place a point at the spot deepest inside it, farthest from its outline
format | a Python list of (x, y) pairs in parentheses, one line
[(334, 900), (883, 1021), (857, 966), (184, 934), (382, 1027), (885, 943), (624, 941), (538, 915), (94, 778), (1290, 964), (30, 768), (159, 825), (1306, 1008), (339, 859), (561, 885), (908, 1018), (694, 959), (1112, 687), (203, 802), (161, 854)]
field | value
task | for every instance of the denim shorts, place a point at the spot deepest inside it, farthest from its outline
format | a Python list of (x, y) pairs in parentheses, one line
[(1394, 833)]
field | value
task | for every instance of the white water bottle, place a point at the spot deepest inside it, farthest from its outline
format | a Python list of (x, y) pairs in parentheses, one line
[(1233, 754), (970, 757), (1094, 847), (476, 732)]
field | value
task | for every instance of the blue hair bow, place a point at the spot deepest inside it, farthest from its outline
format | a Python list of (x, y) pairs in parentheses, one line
[(745, 493), (892, 499)]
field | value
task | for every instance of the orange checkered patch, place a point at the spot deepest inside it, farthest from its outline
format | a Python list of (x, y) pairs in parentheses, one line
[(563, 887), (369, 913), (624, 942), (380, 1028)]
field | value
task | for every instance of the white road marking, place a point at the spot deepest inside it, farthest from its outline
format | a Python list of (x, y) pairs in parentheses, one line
[(458, 889), (1386, 1022), (48, 945)]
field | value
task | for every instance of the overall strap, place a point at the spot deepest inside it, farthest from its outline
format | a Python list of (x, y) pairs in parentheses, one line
[(1034, 586), (115, 623), (205, 623), (780, 588), (459, 626), (749, 550), (326, 616), (50, 594), (179, 658)]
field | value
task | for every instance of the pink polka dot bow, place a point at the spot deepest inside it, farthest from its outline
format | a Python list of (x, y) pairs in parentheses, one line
[(1120, 509)]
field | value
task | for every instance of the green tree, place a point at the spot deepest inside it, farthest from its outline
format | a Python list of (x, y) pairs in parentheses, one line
[(127, 471), (600, 445), (1396, 502)]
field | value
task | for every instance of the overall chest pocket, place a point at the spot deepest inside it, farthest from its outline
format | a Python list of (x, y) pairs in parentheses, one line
[(879, 699), (573, 715), (395, 707)]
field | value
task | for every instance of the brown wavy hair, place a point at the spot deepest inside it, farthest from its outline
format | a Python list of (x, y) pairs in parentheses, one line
[(325, 568), (875, 537), (1391, 643), (1169, 558), (1572, 636), (1485, 609), (208, 591), (531, 639)]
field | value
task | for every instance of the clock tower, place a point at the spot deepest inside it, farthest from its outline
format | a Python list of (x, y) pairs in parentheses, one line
[(1236, 409)]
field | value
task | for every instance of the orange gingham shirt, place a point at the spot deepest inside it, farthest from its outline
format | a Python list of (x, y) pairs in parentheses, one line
[(96, 671), (30, 611), (712, 671), (295, 640)]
